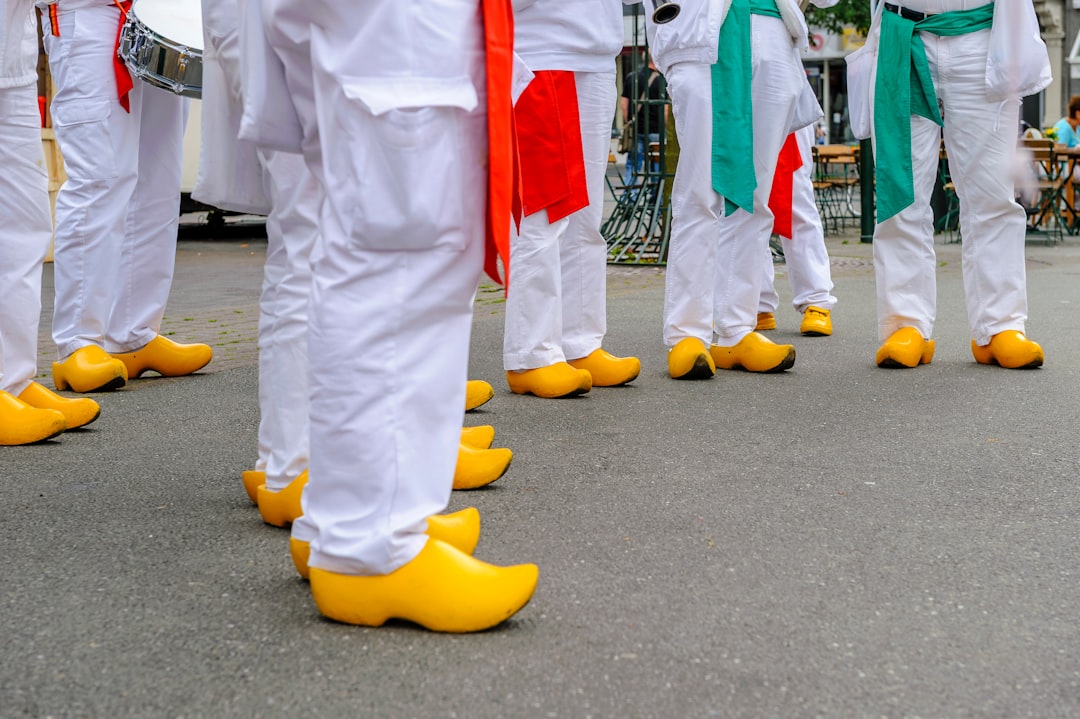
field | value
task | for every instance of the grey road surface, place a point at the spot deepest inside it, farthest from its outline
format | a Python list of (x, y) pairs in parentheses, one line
[(835, 541)]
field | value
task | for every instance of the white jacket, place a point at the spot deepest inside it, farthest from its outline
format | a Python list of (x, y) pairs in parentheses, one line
[(694, 36), (230, 173), (19, 52), (1017, 62), (580, 36)]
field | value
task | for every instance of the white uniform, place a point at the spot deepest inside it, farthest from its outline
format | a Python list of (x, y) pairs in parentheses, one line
[(979, 78), (556, 305), (117, 214), (235, 176), (25, 224), (714, 272), (393, 120), (805, 256)]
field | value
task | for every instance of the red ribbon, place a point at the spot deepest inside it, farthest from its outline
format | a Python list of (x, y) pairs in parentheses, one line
[(552, 159), (124, 83), (780, 198), (504, 178)]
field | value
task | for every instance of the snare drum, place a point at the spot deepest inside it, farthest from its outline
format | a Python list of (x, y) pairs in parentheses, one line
[(161, 44)]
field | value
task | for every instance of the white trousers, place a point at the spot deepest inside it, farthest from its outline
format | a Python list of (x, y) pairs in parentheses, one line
[(291, 231), (805, 256), (714, 274), (555, 308), (394, 272), (25, 231), (980, 137), (117, 214)]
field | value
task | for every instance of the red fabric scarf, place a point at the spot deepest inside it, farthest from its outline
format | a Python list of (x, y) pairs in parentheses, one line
[(124, 83), (552, 159), (780, 200), (504, 176)]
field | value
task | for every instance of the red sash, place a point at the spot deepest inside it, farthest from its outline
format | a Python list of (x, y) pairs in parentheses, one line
[(780, 200), (124, 83), (504, 177), (552, 159)]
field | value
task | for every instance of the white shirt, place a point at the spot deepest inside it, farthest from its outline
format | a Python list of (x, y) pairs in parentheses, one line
[(580, 36)]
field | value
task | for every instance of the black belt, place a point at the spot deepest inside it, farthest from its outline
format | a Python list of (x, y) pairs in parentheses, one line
[(912, 15)]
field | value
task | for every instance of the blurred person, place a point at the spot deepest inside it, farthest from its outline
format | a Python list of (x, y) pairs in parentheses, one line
[(640, 104), (1067, 127)]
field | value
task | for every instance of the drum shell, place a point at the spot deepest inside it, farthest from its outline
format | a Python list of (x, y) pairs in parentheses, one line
[(157, 60)]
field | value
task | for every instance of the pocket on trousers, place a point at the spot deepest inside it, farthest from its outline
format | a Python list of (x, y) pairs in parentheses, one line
[(82, 127), (860, 68), (411, 181)]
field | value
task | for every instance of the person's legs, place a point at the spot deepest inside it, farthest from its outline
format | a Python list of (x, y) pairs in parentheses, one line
[(394, 272), (296, 198), (153, 216), (99, 141), (583, 251), (980, 137), (24, 235), (542, 269), (743, 238), (533, 335), (805, 255), (695, 210), (633, 161), (273, 272), (769, 300), (904, 259)]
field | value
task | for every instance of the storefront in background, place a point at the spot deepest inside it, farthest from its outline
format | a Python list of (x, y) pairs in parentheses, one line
[(826, 70)]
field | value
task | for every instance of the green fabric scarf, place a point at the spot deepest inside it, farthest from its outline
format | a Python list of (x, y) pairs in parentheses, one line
[(904, 87), (733, 175)]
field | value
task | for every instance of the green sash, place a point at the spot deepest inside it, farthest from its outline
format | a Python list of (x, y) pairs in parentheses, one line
[(904, 87), (733, 174)]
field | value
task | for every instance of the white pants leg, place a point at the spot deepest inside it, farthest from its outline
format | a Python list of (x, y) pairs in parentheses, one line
[(769, 299), (805, 255), (115, 229), (778, 78), (24, 234), (273, 272), (695, 209), (288, 31), (153, 216), (292, 228), (394, 272), (555, 309), (99, 143), (980, 137), (904, 259), (533, 334), (584, 250)]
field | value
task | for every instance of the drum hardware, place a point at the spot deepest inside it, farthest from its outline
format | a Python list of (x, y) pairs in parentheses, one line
[(664, 11), (171, 61)]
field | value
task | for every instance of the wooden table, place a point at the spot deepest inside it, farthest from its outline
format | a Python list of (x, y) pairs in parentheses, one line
[(1068, 194)]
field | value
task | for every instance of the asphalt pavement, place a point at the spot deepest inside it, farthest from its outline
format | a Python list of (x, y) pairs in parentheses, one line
[(835, 541)]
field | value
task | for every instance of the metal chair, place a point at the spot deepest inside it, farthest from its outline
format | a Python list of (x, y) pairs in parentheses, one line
[(1045, 220)]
